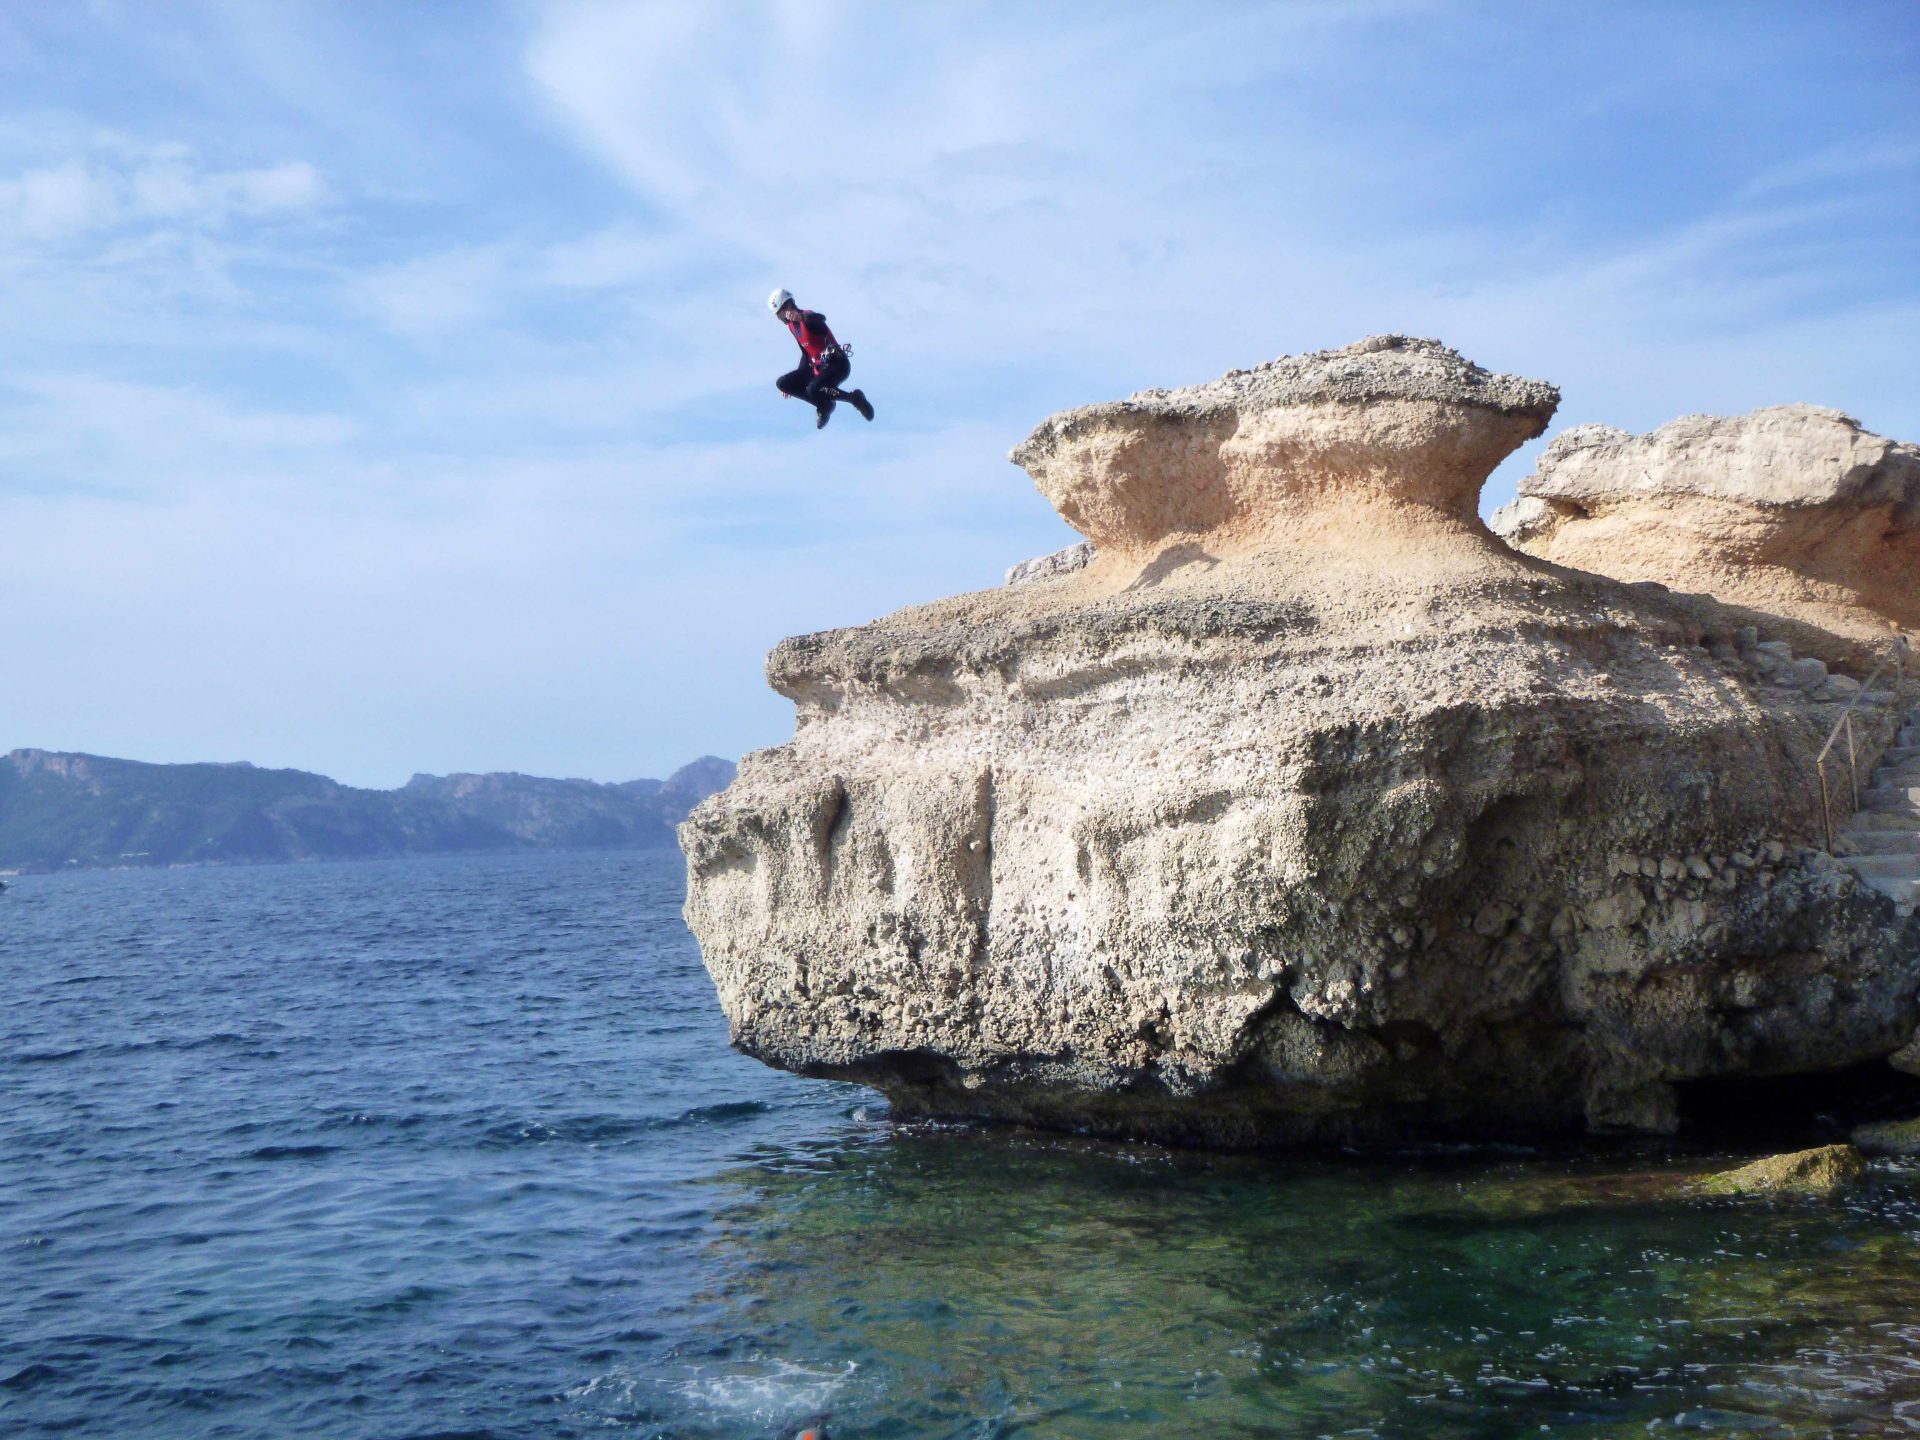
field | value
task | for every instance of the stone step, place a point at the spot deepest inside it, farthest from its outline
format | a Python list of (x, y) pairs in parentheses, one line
[(1903, 893), (1892, 867), (1889, 797), (1900, 755), (1879, 842), (1879, 797), (1905, 819)]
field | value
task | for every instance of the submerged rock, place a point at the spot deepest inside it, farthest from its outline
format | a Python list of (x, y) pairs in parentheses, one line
[(1795, 512), (1825, 1171), (1305, 810)]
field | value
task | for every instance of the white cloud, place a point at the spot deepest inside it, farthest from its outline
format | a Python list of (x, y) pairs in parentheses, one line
[(75, 196), (58, 200), (178, 191), (116, 186)]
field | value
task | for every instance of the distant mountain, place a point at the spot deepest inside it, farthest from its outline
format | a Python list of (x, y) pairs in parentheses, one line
[(60, 810)]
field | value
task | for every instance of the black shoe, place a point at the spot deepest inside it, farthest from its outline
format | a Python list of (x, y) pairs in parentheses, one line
[(860, 403), (820, 420)]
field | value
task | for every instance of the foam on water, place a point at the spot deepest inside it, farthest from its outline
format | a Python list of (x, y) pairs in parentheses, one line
[(769, 1394)]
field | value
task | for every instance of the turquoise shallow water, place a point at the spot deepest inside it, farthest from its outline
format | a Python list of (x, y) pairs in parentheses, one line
[(455, 1147)]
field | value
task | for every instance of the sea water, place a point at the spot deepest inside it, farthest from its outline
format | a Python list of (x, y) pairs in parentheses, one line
[(456, 1147)]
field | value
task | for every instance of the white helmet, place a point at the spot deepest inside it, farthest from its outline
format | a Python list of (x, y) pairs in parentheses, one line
[(779, 300)]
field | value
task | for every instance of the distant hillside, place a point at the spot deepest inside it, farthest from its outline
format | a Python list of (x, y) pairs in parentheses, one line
[(60, 810)]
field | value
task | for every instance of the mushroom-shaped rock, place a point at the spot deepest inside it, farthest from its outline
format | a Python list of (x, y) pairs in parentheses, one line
[(1794, 512), (1304, 810), (1388, 418)]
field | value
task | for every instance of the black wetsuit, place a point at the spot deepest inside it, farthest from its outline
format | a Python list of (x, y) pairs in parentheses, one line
[(824, 367)]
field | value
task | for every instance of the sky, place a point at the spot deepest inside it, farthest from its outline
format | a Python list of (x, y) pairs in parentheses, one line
[(388, 388)]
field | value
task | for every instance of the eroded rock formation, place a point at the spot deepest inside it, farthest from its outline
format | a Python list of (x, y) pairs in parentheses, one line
[(1304, 810), (1794, 512)]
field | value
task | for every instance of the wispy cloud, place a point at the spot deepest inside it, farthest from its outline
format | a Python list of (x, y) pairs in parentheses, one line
[(1890, 160), (158, 186)]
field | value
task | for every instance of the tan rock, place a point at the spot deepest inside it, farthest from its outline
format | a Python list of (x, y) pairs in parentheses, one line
[(1278, 819), (1825, 1171), (1795, 512), (1389, 421)]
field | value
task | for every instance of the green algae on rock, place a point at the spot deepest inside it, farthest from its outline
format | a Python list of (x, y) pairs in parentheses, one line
[(1824, 1171)]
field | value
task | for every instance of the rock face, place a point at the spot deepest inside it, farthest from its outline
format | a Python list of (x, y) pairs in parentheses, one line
[(1305, 810), (1794, 512)]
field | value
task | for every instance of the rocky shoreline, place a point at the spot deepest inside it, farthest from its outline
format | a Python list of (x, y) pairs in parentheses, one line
[(1301, 808)]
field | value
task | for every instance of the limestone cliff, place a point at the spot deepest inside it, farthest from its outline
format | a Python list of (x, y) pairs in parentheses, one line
[(1304, 810), (1795, 512)]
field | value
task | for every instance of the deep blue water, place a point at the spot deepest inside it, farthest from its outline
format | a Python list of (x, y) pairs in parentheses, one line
[(456, 1147)]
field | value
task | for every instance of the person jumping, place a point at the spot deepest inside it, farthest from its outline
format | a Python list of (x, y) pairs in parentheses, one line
[(823, 366)]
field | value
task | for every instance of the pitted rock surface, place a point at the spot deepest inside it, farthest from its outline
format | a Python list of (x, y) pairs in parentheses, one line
[(1380, 367), (1333, 820)]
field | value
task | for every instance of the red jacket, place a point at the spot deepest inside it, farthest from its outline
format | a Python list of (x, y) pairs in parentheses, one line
[(816, 341)]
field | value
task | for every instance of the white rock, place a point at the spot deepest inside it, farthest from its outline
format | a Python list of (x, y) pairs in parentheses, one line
[(1061, 562)]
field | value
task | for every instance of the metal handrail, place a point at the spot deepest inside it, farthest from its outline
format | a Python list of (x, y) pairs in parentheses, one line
[(1897, 658)]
